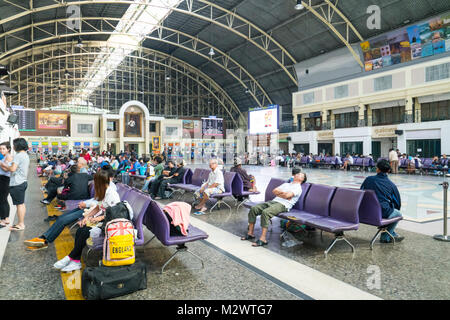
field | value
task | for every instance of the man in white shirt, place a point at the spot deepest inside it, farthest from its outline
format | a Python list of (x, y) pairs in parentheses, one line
[(214, 185), (287, 196), (393, 160)]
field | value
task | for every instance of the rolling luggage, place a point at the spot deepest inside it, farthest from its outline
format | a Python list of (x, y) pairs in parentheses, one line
[(108, 282)]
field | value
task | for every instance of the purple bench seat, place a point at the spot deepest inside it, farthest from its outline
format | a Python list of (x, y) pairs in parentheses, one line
[(329, 209), (370, 213), (73, 204), (157, 222), (238, 190), (228, 182), (268, 195)]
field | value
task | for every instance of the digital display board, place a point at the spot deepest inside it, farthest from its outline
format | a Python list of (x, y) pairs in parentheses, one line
[(27, 118), (263, 121), (212, 127)]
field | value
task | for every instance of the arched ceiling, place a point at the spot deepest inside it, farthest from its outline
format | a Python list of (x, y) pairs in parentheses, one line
[(264, 37)]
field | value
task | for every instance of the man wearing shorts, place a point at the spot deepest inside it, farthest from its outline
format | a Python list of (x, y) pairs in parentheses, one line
[(214, 185)]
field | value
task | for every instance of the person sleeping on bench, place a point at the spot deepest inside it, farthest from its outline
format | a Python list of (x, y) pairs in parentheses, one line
[(286, 196)]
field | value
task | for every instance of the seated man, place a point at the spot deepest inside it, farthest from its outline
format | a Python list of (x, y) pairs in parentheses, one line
[(66, 219), (167, 172), (388, 196), (177, 177), (157, 171), (286, 196), (214, 185), (247, 179)]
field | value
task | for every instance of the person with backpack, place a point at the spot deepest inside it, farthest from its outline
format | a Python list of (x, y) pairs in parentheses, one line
[(107, 197)]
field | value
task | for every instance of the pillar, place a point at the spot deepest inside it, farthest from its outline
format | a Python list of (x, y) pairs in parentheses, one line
[(361, 120), (409, 110), (369, 116), (147, 136), (333, 122), (303, 124), (121, 129), (418, 110), (325, 120)]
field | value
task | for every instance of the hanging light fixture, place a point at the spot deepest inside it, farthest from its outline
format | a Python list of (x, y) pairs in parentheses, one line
[(211, 52), (66, 73), (299, 5), (247, 91), (80, 42)]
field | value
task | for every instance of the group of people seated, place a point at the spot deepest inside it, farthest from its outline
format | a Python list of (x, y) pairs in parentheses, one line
[(90, 213), (289, 193)]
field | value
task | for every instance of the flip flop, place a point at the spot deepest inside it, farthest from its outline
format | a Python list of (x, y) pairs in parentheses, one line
[(16, 228), (259, 243), (248, 237)]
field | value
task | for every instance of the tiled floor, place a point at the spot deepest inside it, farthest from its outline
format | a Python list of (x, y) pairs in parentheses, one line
[(417, 268)]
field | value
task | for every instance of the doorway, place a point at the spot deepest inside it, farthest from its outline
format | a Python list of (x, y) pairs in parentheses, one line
[(376, 150), (325, 148), (132, 147)]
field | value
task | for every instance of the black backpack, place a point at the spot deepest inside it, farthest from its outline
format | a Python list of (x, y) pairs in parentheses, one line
[(119, 211)]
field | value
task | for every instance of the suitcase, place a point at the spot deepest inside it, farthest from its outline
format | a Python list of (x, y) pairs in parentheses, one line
[(108, 282)]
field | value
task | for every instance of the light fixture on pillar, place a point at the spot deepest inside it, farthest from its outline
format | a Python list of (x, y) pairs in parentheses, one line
[(59, 89), (299, 5), (79, 43), (168, 77), (211, 52)]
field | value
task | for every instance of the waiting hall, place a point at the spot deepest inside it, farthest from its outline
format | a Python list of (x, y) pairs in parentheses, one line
[(214, 151)]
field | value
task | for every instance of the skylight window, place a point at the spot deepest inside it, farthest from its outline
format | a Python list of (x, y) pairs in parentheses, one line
[(139, 20)]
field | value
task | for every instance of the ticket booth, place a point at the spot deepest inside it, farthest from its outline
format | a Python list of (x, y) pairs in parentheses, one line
[(86, 145), (34, 146), (64, 147), (96, 147), (77, 147), (45, 146)]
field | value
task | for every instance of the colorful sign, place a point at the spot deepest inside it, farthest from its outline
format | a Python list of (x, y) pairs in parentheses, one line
[(417, 41), (52, 121), (156, 145)]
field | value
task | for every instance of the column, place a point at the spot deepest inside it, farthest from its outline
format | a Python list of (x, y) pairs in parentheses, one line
[(418, 110), (103, 134), (147, 135), (369, 116), (409, 110), (303, 125), (121, 129), (333, 122), (361, 120), (325, 120)]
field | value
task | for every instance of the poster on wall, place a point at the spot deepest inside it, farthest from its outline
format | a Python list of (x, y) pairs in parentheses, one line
[(191, 128), (156, 145), (133, 124), (414, 42), (52, 121)]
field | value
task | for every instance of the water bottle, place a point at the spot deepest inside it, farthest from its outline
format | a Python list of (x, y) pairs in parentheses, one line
[(289, 240)]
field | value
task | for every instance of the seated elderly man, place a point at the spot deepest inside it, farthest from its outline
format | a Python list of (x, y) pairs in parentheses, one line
[(286, 196), (214, 185)]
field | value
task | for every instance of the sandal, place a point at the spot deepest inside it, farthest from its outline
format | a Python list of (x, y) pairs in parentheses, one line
[(16, 228), (248, 237), (259, 243)]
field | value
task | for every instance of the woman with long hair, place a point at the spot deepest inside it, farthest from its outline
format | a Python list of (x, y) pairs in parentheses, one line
[(5, 149), (107, 197)]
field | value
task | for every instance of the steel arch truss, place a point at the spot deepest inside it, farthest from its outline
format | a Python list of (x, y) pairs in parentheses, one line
[(207, 11), (39, 76), (326, 15), (161, 34)]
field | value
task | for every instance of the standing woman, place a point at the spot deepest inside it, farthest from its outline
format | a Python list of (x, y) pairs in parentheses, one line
[(18, 182), (5, 149)]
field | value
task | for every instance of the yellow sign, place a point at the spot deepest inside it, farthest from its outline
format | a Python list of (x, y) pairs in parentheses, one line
[(325, 135), (156, 143), (383, 132)]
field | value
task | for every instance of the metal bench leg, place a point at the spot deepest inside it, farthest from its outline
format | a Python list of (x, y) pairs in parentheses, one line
[(375, 238), (339, 237), (181, 248)]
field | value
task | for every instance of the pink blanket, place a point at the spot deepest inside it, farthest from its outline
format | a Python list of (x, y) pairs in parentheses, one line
[(180, 213)]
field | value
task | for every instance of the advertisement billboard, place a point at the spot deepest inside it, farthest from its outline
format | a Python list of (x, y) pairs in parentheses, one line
[(263, 121)]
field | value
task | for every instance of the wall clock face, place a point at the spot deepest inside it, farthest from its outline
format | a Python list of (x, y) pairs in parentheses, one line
[(131, 123)]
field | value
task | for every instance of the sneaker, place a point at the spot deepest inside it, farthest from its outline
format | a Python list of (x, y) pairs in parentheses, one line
[(62, 263), (35, 242), (398, 238), (45, 246), (45, 202), (72, 266)]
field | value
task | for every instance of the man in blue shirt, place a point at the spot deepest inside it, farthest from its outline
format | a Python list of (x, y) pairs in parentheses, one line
[(388, 196)]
